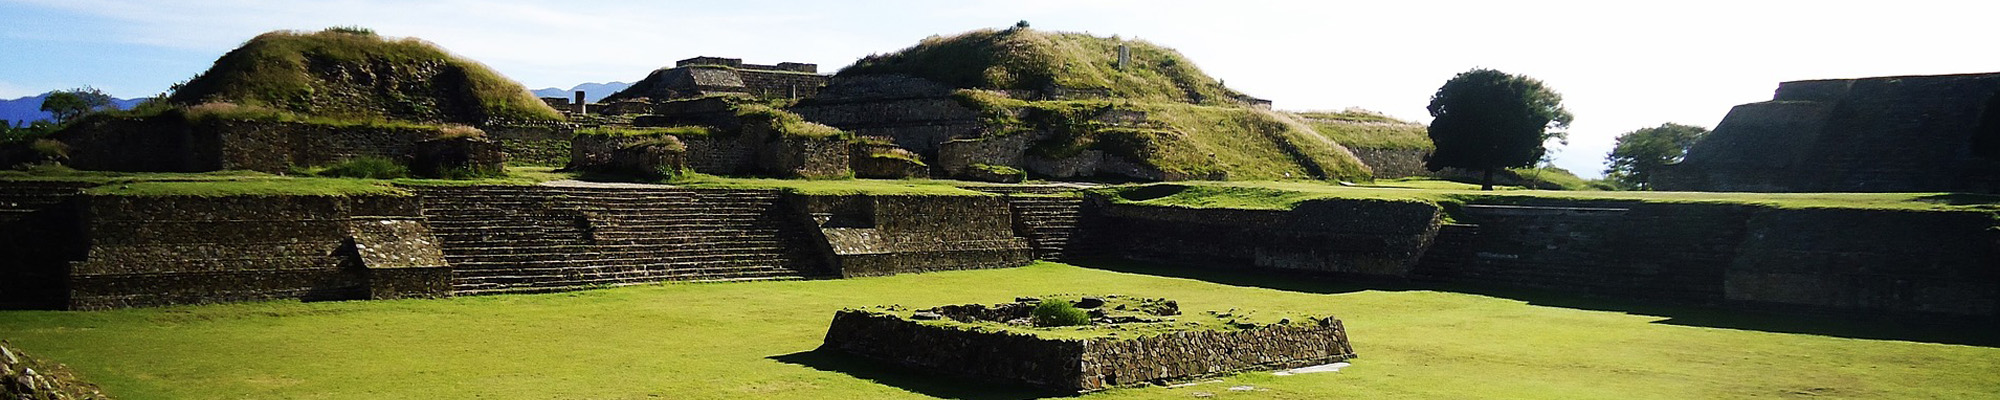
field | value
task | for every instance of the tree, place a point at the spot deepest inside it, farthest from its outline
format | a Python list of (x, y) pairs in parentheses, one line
[(1486, 120), (66, 105), (1641, 153)]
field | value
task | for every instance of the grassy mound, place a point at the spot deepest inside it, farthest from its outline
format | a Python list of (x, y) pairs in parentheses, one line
[(1031, 60), (349, 73), (1365, 129), (1187, 124)]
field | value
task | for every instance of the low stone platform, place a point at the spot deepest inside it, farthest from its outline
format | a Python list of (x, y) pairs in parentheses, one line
[(1129, 342)]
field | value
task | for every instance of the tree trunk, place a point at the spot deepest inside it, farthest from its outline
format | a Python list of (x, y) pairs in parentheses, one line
[(1487, 182)]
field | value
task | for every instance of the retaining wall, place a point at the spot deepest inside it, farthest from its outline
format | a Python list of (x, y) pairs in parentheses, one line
[(1083, 365), (158, 250), (1368, 237), (871, 235)]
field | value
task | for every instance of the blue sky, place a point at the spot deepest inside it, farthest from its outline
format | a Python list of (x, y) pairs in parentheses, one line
[(1619, 65)]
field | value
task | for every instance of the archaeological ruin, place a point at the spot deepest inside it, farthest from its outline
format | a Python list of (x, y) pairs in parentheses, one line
[(1890, 134), (716, 170), (1126, 341)]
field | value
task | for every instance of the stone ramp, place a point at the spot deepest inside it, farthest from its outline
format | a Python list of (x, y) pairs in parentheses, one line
[(1048, 222), (516, 239)]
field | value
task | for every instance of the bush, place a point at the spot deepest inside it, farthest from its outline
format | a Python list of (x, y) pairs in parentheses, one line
[(368, 168), (1058, 313)]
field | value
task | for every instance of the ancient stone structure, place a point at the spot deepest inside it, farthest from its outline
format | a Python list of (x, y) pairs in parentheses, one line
[(924, 117), (175, 144), (153, 250), (883, 235), (1079, 365), (1892, 134), (707, 76), (457, 156), (1367, 237), (509, 239), (1851, 260)]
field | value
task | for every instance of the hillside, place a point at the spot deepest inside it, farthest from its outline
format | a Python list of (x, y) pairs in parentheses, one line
[(351, 73), (1159, 110)]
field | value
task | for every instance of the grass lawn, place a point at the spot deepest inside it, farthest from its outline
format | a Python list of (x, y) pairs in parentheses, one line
[(754, 340)]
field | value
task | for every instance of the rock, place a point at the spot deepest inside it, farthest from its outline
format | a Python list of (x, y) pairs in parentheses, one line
[(7, 355), (1025, 299), (1090, 302), (925, 315)]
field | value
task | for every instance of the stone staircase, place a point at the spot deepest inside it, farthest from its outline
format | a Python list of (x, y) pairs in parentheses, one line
[(1048, 222), (1450, 252), (514, 239)]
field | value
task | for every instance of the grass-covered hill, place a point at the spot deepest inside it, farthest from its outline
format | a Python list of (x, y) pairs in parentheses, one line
[(1366, 129), (352, 73), (1193, 126), (1029, 59)]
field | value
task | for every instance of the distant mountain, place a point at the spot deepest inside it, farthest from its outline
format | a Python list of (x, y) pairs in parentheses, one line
[(592, 92), (29, 109)]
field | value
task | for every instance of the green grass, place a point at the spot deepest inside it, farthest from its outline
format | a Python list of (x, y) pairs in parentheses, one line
[(833, 186), (251, 187), (1281, 195), (278, 70), (752, 340), (1559, 177), (227, 183)]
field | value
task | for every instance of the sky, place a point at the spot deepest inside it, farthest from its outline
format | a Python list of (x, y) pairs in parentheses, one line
[(1619, 65)]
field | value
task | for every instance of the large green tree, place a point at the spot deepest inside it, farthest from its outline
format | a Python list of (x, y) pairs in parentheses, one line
[(1641, 153), (66, 105), (1486, 120)]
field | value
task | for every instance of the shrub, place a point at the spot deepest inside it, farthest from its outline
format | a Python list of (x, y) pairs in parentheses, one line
[(1058, 313), (50, 149), (368, 168)]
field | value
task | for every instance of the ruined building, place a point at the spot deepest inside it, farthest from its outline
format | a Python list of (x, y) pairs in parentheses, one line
[(705, 76), (1889, 134)]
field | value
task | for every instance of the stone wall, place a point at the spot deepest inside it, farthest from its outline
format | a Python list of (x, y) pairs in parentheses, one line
[(1367, 237), (1869, 260), (1890, 134), (916, 114), (1393, 163), (172, 144), (147, 250), (872, 235), (1646, 251), (542, 145), (1845, 260), (779, 84), (1084, 365)]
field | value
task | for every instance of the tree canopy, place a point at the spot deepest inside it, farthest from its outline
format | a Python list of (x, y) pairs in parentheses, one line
[(1487, 120), (1641, 153), (66, 105)]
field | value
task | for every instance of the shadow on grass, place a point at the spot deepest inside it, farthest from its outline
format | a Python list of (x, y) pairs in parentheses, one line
[(934, 385), (1984, 332)]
